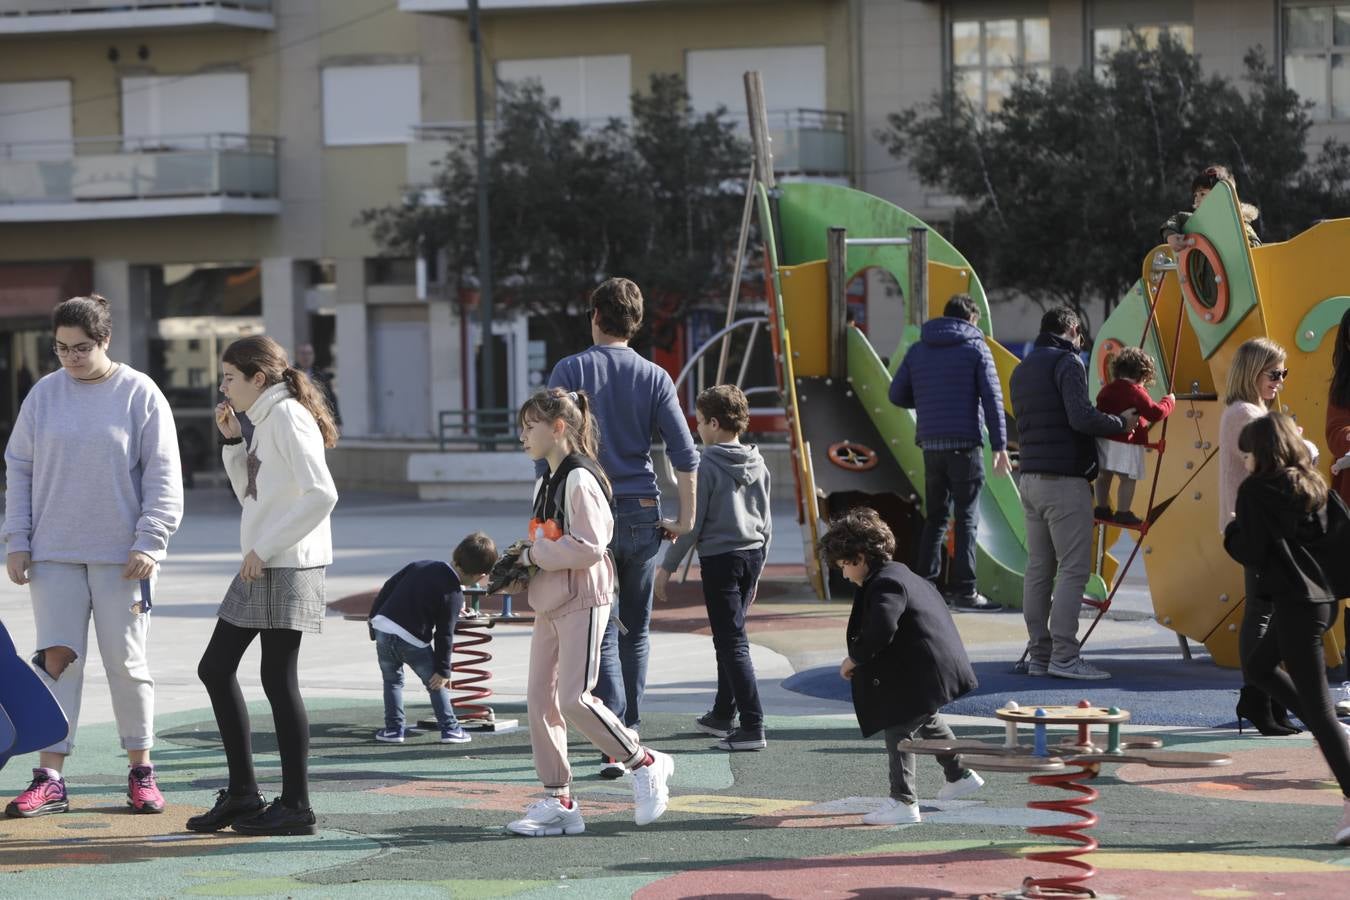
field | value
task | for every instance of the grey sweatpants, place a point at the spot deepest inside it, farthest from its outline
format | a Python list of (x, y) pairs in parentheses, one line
[(65, 596), (1059, 560)]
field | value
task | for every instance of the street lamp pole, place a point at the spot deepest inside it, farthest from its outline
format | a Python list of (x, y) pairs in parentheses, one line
[(488, 376)]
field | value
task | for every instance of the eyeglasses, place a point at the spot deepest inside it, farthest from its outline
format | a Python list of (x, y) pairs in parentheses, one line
[(1277, 374), (77, 350)]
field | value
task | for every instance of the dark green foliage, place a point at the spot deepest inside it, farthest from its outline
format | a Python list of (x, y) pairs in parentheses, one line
[(1065, 186), (656, 200)]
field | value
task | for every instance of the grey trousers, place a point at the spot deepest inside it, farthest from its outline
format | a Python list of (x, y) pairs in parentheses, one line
[(1059, 560), (927, 726)]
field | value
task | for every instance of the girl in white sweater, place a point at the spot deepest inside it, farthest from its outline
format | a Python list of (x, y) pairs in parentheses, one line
[(281, 479)]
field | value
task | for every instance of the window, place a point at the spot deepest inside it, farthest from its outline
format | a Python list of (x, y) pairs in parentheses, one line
[(370, 104), (1317, 56), (179, 111), (988, 56), (587, 87), (1106, 41), (794, 77), (36, 116)]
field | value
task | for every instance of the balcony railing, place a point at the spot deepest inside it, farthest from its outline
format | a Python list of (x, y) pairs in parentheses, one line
[(461, 7), (41, 16), (805, 142), (88, 173)]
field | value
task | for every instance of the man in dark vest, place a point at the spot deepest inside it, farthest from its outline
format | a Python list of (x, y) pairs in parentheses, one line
[(1057, 426)]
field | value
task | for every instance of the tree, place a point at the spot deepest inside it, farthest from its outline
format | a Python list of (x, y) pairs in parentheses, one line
[(1065, 186), (572, 205)]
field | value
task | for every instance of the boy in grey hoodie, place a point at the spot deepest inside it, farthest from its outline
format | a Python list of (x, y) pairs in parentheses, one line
[(732, 528)]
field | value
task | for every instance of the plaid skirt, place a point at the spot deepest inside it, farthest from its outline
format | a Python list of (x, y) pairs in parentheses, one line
[(282, 598)]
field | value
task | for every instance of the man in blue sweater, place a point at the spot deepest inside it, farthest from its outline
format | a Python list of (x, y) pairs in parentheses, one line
[(632, 398), (949, 379)]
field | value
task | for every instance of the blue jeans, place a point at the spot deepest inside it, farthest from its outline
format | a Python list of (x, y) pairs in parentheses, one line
[(394, 653), (729, 581), (952, 479), (623, 657)]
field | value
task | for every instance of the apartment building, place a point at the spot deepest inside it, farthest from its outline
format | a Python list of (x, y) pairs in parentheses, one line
[(202, 163)]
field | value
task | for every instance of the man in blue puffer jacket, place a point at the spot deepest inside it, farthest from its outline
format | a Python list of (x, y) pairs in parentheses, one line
[(949, 379)]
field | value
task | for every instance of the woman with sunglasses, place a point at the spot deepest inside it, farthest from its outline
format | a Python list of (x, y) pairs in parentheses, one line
[(1254, 383), (93, 493), (1338, 439)]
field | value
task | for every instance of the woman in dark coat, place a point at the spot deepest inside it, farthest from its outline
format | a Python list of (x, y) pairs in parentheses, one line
[(1291, 537), (905, 658)]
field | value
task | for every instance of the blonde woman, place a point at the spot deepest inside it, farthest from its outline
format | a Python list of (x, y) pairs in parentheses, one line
[(1255, 380)]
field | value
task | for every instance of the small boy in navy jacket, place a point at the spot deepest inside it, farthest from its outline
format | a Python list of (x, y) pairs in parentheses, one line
[(413, 623), (905, 659)]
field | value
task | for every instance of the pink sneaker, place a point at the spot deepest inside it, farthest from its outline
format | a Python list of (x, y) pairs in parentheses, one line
[(46, 795), (143, 794)]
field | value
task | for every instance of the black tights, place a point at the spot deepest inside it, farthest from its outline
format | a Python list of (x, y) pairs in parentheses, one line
[(1294, 637), (280, 653)]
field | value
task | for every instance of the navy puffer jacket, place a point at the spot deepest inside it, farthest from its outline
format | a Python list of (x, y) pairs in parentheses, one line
[(949, 379), (1056, 422)]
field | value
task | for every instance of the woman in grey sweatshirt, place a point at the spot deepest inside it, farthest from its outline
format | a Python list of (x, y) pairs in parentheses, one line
[(93, 493)]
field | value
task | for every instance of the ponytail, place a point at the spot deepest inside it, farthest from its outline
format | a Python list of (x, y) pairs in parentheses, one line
[(303, 390), (574, 408)]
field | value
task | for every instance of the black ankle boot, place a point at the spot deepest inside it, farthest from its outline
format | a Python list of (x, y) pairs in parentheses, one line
[(1281, 717), (1254, 706), (229, 808)]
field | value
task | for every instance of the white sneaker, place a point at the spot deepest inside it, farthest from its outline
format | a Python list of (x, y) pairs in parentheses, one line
[(962, 787), (893, 812), (651, 793), (549, 818)]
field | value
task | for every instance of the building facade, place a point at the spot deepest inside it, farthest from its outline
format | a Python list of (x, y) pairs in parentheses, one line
[(203, 163)]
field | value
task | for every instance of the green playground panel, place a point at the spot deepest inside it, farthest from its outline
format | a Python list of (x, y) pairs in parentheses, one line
[(1322, 318), (808, 210), (1001, 546), (1126, 324), (1220, 220)]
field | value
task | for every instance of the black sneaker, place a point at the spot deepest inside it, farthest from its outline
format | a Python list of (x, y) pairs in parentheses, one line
[(611, 768), (711, 724), (229, 809), (974, 603), (279, 819), (743, 739)]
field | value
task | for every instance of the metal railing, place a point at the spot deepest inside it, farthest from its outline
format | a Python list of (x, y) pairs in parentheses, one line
[(128, 167), (79, 7), (485, 428), (805, 141)]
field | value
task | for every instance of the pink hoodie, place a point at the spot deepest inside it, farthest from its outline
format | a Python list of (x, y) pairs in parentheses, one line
[(575, 571)]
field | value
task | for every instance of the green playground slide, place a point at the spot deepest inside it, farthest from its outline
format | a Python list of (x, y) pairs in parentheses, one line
[(806, 212)]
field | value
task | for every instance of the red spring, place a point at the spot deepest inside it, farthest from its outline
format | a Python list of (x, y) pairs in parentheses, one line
[(1065, 885), (467, 676)]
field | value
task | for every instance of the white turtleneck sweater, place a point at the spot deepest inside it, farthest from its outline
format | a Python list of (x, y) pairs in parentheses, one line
[(281, 479)]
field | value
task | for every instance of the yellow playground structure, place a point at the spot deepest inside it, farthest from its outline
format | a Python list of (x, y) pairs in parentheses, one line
[(851, 446)]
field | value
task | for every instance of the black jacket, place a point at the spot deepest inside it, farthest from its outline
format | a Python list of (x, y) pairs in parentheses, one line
[(911, 661), (424, 599), (1283, 544), (1056, 422)]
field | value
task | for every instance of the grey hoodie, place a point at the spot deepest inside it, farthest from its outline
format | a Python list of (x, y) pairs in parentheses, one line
[(732, 504)]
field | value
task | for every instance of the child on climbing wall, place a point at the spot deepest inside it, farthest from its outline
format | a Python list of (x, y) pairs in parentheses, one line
[(905, 658), (412, 623), (1122, 455), (570, 590), (1201, 185)]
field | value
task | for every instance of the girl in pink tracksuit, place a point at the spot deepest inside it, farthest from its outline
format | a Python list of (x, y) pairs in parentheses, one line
[(570, 592)]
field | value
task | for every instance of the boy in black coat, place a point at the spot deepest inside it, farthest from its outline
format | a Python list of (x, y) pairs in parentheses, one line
[(905, 658), (412, 623)]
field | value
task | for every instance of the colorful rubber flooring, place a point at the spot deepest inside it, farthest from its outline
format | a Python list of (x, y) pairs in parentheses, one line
[(423, 819)]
